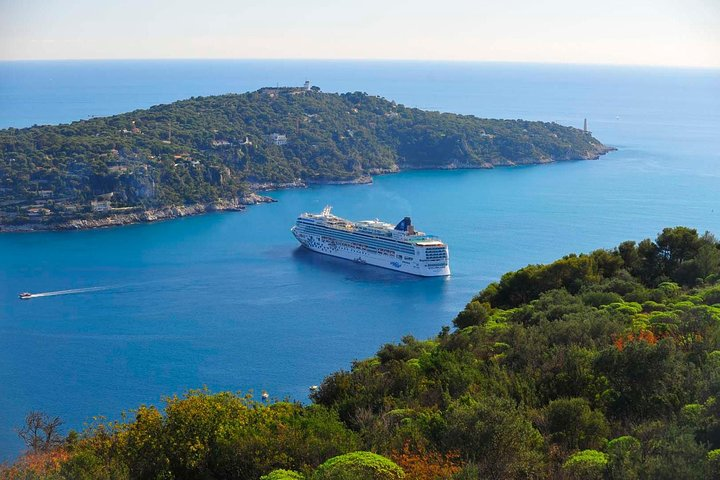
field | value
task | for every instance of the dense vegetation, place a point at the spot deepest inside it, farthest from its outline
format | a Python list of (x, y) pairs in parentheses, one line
[(207, 149), (597, 366)]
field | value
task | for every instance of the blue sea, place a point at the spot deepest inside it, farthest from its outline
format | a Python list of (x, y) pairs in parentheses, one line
[(230, 302)]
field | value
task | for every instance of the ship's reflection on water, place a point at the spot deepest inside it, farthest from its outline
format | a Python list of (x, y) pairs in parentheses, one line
[(428, 287)]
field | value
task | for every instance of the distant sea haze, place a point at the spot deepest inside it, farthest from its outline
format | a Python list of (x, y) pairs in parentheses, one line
[(229, 300)]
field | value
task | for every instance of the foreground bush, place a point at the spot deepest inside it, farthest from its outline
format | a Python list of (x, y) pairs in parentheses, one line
[(586, 465), (359, 466), (283, 475)]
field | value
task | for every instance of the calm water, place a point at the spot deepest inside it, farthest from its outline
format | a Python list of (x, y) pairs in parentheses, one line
[(229, 301)]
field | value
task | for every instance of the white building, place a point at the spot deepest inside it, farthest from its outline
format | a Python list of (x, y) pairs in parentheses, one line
[(277, 139), (101, 206)]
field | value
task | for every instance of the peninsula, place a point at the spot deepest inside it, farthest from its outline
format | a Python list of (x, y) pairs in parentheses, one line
[(214, 153)]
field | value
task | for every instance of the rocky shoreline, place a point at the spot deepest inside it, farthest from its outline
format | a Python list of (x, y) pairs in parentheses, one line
[(239, 203), (146, 216), (593, 154), (361, 180)]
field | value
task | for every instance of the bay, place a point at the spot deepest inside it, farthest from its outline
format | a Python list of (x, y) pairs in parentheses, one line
[(229, 301)]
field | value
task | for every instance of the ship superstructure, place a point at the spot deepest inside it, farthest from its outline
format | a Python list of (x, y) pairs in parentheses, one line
[(400, 248)]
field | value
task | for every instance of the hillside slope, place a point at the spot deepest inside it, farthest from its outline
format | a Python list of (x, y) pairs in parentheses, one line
[(597, 366), (213, 150)]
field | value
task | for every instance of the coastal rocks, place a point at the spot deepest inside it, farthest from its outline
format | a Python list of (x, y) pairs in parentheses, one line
[(597, 152), (151, 215), (252, 198), (361, 180), (382, 171), (459, 164), (454, 165), (255, 199), (299, 183), (266, 186)]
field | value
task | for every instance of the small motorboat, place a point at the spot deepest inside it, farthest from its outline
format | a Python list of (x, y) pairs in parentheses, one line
[(25, 296)]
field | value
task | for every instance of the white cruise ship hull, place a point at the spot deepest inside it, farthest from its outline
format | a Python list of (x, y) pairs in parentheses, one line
[(320, 244)]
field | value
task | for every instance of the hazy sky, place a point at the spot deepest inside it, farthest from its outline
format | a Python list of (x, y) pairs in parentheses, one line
[(642, 32)]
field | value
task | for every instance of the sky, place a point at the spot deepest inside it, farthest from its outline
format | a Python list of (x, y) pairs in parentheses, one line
[(629, 32)]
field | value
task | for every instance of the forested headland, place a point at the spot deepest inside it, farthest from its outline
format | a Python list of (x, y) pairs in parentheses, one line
[(210, 152), (603, 365)]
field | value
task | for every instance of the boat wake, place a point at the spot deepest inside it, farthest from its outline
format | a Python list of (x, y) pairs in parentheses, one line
[(67, 292)]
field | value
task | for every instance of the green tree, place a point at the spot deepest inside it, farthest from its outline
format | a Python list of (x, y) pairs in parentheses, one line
[(629, 254), (625, 458), (143, 445), (649, 267), (708, 257), (713, 458), (359, 466), (283, 475), (586, 465), (495, 435), (643, 378), (675, 246), (572, 424), (475, 313)]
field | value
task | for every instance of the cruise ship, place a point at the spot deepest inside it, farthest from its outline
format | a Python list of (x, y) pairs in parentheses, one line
[(373, 242)]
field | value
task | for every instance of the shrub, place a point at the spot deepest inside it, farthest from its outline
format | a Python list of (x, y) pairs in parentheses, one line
[(359, 466), (475, 313), (423, 464), (283, 475), (586, 465), (712, 296), (624, 457), (573, 424), (630, 308), (495, 435), (598, 299), (713, 458), (650, 306), (669, 289)]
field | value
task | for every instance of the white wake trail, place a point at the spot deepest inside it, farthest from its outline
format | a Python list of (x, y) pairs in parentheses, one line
[(68, 292)]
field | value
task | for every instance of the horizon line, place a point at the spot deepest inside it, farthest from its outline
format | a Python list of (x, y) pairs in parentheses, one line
[(408, 60)]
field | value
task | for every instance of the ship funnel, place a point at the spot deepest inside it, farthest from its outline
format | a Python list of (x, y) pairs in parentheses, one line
[(405, 225)]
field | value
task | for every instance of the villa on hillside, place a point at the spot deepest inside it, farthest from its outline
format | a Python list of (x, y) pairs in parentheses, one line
[(277, 139)]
